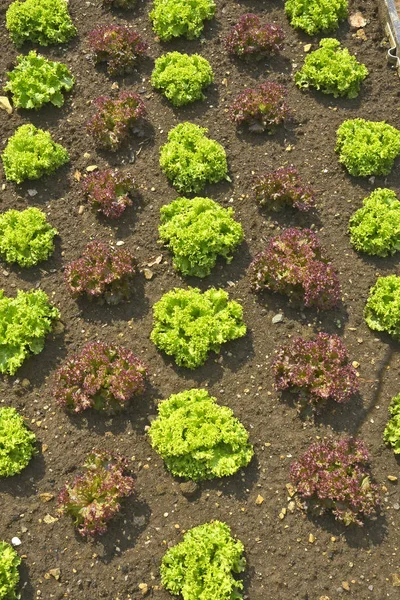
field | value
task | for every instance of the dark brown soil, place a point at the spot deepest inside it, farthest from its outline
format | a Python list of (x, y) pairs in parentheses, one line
[(282, 563)]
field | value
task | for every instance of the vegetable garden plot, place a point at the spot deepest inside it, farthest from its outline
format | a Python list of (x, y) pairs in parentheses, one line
[(109, 242)]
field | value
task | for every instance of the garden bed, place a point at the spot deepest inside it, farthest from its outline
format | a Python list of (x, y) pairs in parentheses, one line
[(289, 556)]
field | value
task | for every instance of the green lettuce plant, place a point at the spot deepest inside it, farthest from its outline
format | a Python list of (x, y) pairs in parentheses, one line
[(17, 443), (26, 238), (182, 77), (176, 18), (375, 228), (382, 310), (313, 16), (31, 153), (42, 22), (36, 81), (24, 322), (332, 70), (367, 147), (189, 324), (190, 160), (9, 575), (197, 231), (203, 565), (197, 438), (391, 435)]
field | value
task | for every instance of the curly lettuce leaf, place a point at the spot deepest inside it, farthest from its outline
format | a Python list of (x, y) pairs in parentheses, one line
[(375, 228), (202, 566), (26, 238), (313, 16), (24, 322), (182, 77), (36, 81), (42, 22), (197, 438), (332, 70), (189, 324), (190, 160), (9, 575), (391, 435), (17, 443), (31, 153), (197, 231), (382, 310), (176, 18), (367, 147)]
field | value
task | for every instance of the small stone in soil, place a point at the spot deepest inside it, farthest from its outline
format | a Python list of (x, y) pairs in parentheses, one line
[(16, 541), (56, 573), (277, 318), (46, 497), (188, 488), (346, 586), (144, 588), (396, 579), (49, 520)]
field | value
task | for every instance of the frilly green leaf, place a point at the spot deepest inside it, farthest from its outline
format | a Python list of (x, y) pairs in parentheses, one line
[(176, 18), (201, 567), (382, 311), (197, 438), (332, 70), (197, 231), (313, 16), (189, 324), (391, 435), (375, 228), (31, 153), (24, 322), (9, 575), (26, 238), (182, 77), (190, 160), (36, 81), (367, 147), (42, 22), (17, 444)]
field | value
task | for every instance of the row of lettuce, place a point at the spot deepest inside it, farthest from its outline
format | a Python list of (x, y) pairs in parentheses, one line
[(197, 438)]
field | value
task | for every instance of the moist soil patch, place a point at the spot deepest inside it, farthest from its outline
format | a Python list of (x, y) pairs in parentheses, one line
[(291, 557)]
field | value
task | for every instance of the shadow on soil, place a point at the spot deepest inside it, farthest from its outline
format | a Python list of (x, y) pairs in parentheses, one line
[(233, 355), (124, 531), (27, 591), (370, 535), (236, 485), (136, 413), (135, 307), (25, 484)]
